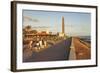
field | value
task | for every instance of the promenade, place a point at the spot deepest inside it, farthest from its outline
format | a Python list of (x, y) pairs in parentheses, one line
[(70, 49)]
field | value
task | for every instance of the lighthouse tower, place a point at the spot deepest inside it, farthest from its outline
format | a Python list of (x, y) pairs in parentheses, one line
[(63, 29), (62, 34)]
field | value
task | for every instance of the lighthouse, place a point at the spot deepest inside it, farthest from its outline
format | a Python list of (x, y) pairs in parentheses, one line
[(63, 29), (62, 34)]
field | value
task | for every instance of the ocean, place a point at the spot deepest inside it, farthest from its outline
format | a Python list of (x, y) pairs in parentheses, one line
[(86, 38)]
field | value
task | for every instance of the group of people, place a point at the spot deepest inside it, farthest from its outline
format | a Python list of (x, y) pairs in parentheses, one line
[(40, 44)]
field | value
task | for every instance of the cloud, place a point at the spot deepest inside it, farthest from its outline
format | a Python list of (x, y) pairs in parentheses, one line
[(42, 27), (28, 18)]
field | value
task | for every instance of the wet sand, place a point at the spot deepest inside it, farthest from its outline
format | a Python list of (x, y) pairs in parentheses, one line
[(82, 50)]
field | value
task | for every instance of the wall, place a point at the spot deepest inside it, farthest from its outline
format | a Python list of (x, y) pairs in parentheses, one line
[(5, 37)]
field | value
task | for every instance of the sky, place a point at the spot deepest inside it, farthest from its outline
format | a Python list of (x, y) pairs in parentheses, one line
[(76, 23)]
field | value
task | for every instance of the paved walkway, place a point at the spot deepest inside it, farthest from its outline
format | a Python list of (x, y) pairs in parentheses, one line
[(69, 49), (57, 52)]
